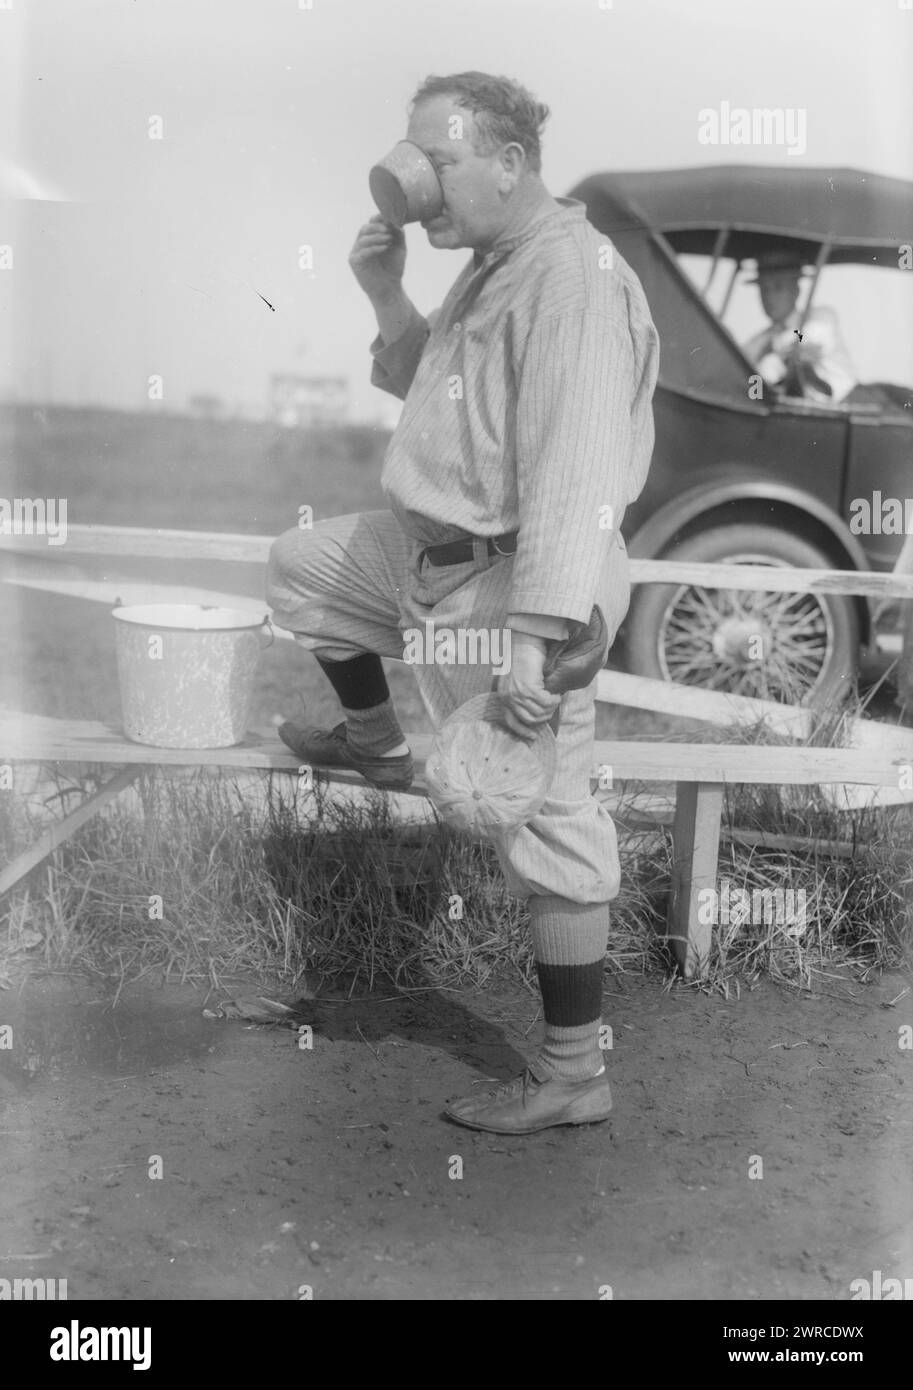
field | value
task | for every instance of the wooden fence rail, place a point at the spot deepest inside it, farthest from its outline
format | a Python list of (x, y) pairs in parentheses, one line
[(146, 542)]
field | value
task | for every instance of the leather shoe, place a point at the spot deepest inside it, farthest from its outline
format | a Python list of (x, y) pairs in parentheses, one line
[(331, 748), (530, 1103)]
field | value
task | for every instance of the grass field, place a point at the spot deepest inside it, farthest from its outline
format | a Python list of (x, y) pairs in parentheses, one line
[(155, 469)]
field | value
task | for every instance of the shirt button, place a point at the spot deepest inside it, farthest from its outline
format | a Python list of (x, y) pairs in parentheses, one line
[(457, 327)]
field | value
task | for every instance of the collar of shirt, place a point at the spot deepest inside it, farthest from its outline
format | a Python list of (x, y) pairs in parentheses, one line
[(569, 210)]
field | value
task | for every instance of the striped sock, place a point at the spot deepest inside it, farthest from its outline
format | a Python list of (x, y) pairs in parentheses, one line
[(374, 731), (569, 944)]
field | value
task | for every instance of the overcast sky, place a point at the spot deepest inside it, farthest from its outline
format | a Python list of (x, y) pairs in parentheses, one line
[(135, 256)]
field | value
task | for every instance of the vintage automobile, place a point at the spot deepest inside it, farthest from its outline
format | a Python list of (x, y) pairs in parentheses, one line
[(761, 476)]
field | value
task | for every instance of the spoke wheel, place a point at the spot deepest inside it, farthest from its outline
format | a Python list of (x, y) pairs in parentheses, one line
[(792, 648)]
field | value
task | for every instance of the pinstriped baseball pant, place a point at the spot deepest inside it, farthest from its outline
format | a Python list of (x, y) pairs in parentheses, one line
[(355, 583)]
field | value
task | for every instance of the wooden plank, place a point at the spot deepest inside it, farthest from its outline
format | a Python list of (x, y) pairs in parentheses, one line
[(148, 542), (641, 825), (709, 706), (141, 591), (63, 829), (695, 851), (35, 738), (129, 591), (794, 844), (772, 578), (723, 710), (751, 763), (163, 543), (32, 738)]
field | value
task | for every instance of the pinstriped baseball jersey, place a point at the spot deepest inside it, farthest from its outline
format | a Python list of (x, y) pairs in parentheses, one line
[(528, 407)]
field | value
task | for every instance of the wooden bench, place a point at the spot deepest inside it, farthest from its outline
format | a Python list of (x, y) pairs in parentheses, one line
[(876, 769), (699, 773)]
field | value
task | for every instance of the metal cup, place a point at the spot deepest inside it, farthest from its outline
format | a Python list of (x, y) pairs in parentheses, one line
[(405, 186)]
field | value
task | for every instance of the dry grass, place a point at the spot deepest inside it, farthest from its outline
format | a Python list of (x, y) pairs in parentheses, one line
[(294, 884), (854, 869), (291, 886)]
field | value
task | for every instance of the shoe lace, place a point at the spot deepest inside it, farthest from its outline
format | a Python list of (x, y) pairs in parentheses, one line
[(524, 1081)]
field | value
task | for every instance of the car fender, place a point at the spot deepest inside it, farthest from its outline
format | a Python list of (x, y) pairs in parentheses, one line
[(651, 539), (655, 534)]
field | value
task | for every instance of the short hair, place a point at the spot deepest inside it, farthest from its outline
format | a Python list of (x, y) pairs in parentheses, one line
[(504, 111)]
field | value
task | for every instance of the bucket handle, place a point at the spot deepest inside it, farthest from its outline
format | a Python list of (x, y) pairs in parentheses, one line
[(267, 632)]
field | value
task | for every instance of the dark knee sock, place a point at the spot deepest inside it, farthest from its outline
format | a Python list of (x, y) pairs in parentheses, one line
[(371, 723), (569, 943), (359, 683)]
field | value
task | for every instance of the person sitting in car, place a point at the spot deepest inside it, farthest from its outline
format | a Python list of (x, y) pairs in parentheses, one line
[(810, 361)]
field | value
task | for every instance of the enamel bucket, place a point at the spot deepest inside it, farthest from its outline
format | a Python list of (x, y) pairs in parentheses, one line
[(187, 673)]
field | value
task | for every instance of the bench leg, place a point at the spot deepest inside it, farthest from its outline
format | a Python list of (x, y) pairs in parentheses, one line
[(63, 829), (695, 850)]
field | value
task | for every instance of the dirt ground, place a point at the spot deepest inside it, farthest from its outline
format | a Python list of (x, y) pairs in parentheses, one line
[(288, 1169)]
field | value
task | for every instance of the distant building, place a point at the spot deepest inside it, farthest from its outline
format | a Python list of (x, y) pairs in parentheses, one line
[(308, 400)]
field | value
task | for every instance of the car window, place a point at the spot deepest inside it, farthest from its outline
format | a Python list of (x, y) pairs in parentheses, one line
[(874, 307), (873, 304), (743, 315)]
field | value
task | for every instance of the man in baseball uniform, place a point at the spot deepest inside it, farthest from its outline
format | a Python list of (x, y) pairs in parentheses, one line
[(526, 431)]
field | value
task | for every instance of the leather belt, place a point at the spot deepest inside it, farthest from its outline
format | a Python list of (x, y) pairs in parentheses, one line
[(460, 552)]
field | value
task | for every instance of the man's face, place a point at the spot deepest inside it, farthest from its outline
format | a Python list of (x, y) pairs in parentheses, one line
[(779, 291), (473, 213)]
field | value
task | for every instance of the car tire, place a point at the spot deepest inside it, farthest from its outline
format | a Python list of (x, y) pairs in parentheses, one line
[(796, 649)]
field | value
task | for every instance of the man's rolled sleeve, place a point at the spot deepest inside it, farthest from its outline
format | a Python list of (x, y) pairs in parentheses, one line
[(577, 387), (538, 625), (395, 364)]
